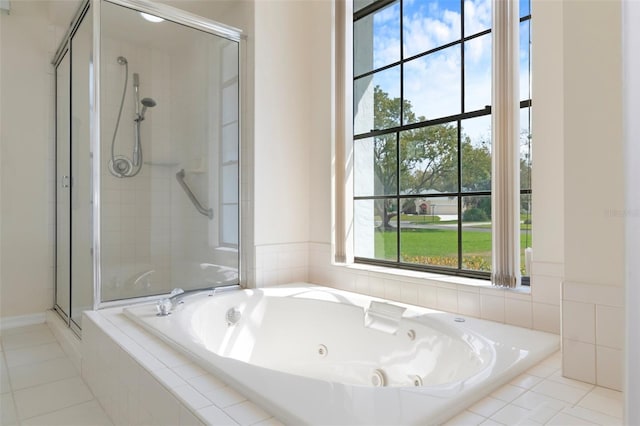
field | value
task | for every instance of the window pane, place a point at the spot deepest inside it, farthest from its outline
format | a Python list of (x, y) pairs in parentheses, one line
[(525, 60), (477, 73), (525, 8), (376, 101), (432, 86), (375, 229), (476, 154), (477, 16), (429, 24), (526, 159), (429, 232), (525, 234), (375, 166), (429, 159), (476, 233), (376, 39)]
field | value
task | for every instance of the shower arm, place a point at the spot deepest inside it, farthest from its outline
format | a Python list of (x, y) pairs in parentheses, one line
[(204, 211)]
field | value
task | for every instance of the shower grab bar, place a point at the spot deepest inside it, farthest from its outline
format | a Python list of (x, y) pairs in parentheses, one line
[(207, 212)]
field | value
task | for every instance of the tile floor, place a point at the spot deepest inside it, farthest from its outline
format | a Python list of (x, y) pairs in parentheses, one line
[(541, 396), (40, 386)]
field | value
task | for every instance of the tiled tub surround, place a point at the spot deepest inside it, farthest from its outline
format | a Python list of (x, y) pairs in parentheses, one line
[(120, 360), (304, 339), (140, 380), (540, 396)]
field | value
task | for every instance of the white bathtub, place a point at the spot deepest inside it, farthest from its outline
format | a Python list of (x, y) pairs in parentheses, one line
[(305, 353)]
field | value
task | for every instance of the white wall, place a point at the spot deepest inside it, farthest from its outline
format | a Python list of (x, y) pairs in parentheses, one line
[(593, 288), (28, 40)]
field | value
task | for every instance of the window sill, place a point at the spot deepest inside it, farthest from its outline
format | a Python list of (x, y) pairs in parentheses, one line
[(445, 280)]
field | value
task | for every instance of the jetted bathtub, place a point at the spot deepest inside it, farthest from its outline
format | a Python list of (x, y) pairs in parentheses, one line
[(315, 355)]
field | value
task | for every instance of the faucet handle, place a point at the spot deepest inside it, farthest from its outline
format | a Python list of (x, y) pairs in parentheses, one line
[(164, 307), (176, 291)]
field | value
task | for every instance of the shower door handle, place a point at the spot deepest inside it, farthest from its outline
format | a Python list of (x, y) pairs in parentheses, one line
[(66, 181)]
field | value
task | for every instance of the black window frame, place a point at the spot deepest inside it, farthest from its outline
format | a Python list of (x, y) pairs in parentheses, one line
[(396, 130)]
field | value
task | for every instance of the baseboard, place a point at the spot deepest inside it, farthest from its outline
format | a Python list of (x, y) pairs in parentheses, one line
[(22, 320)]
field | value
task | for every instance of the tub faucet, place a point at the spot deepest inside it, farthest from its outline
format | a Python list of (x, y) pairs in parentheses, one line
[(166, 305)]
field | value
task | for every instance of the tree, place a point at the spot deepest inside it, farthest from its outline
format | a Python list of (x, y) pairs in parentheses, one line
[(428, 157)]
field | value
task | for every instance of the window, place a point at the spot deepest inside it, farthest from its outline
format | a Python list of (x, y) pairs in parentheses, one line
[(422, 134)]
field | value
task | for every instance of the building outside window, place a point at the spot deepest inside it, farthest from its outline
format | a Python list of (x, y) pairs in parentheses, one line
[(422, 89)]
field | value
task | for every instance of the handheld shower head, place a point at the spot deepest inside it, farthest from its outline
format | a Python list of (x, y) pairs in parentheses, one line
[(122, 60), (146, 103)]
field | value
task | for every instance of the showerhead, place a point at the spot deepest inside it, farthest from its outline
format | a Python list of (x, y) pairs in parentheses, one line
[(122, 60), (146, 103)]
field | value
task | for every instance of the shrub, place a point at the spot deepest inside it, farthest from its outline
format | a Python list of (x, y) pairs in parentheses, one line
[(474, 214)]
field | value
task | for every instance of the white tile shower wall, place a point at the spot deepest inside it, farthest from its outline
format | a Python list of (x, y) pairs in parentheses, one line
[(448, 294), (139, 380)]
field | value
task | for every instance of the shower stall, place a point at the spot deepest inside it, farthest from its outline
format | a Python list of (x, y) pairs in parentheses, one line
[(147, 155)]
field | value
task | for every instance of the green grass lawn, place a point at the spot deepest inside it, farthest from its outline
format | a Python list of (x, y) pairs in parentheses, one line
[(436, 243)]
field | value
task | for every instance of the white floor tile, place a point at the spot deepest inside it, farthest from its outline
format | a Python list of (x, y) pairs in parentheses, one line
[(490, 422), (545, 412), (563, 419), (34, 354), (560, 391), (466, 418), (605, 401), (25, 376), (557, 377), (542, 370), (508, 393), (38, 336), (247, 413), (526, 381), (510, 415), (532, 401), (25, 329), (86, 414), (487, 407), (7, 410), (50, 397), (593, 416)]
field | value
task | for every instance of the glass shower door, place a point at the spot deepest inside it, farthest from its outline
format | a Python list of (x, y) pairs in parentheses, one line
[(74, 264), (169, 157)]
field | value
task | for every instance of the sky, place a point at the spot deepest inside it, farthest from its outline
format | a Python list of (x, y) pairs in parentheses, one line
[(432, 83)]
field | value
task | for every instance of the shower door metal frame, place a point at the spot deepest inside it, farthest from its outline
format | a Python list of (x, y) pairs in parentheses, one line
[(180, 17), (91, 9), (65, 48)]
